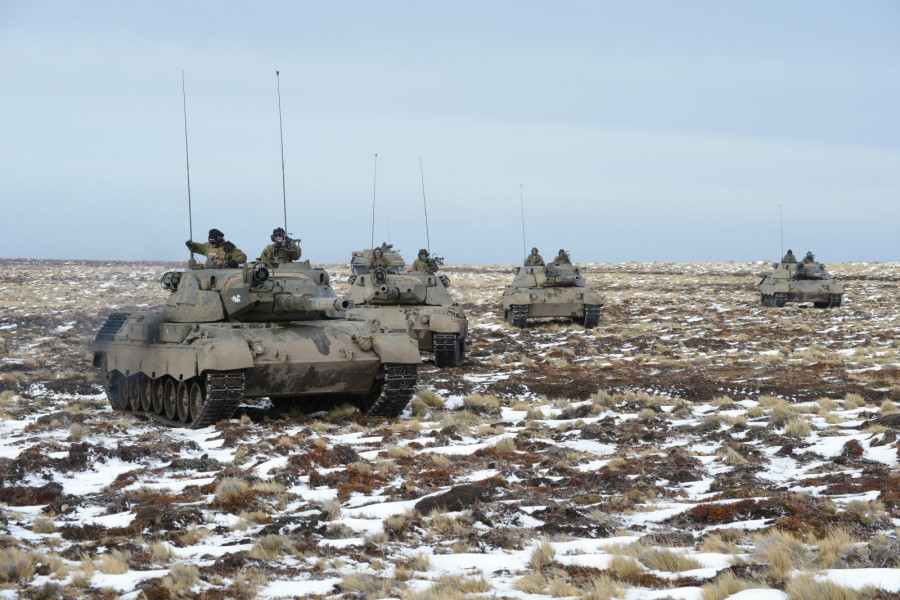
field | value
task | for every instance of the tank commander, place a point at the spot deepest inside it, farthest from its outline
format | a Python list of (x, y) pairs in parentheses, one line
[(378, 259), (534, 259), (218, 252), (562, 258), (810, 257), (789, 257), (282, 249), (423, 264)]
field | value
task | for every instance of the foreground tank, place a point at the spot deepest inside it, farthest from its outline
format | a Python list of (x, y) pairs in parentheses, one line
[(800, 282), (550, 291), (415, 303), (360, 259), (226, 335)]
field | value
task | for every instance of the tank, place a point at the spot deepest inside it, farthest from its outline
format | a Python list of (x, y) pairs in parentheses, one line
[(360, 259), (414, 303), (806, 281), (550, 291), (226, 335)]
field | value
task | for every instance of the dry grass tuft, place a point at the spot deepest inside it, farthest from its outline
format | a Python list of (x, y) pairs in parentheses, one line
[(431, 398), (601, 588), (807, 587), (888, 408), (725, 585), (853, 401), (834, 548), (342, 413), (270, 547), (625, 568), (16, 565), (798, 428), (506, 444), (114, 562), (400, 452), (77, 432), (230, 489), (43, 525), (662, 559), (542, 554), (181, 579), (783, 552), (722, 541), (371, 586)]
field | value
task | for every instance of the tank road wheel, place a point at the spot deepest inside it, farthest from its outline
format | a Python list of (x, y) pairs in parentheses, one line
[(591, 315), (834, 300), (169, 390), (146, 394), (181, 401), (447, 350), (780, 299), (396, 390), (518, 314), (195, 400), (157, 387), (134, 392)]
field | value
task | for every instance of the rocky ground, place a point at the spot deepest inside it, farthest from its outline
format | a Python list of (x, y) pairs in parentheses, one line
[(695, 445)]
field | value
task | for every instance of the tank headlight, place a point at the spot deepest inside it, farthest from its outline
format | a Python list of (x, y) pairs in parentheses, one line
[(424, 319), (365, 343), (257, 348)]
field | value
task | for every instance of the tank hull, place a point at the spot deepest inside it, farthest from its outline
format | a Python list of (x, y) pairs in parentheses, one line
[(298, 360), (419, 322)]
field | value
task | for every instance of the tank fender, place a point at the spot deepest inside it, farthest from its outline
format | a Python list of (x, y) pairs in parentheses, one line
[(443, 323), (396, 348), (224, 355)]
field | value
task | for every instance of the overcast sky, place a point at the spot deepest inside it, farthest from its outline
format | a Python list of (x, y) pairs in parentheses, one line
[(647, 131)]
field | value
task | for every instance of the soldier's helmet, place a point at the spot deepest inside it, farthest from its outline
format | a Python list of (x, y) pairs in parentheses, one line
[(562, 252), (278, 232), (377, 252), (216, 236), (534, 250), (423, 251), (790, 251)]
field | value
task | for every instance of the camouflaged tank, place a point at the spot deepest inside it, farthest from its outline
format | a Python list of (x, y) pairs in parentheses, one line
[(416, 303), (258, 331), (359, 261), (806, 281), (550, 291)]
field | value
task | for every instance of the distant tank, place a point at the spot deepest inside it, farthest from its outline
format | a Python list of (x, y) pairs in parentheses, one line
[(806, 281), (550, 291), (416, 303), (229, 334), (360, 259)]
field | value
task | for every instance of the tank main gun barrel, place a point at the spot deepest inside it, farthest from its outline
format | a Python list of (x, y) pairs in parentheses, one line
[(565, 279), (304, 302)]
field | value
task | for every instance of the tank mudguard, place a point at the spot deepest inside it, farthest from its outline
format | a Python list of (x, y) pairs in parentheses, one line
[(396, 348), (445, 323)]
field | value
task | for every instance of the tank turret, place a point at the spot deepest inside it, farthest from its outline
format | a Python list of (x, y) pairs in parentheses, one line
[(227, 335)]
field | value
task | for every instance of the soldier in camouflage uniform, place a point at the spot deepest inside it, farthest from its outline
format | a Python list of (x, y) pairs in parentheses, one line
[(282, 250), (562, 258), (789, 257), (422, 264), (218, 252), (378, 259), (534, 259), (810, 257)]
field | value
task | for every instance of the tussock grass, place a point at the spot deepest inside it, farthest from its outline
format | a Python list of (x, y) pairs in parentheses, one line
[(506, 444), (231, 489), (867, 512), (360, 467), (807, 587), (43, 525), (798, 428), (371, 586), (542, 554), (441, 460), (431, 398), (625, 568), (601, 588), (193, 535), (731, 456), (853, 400), (723, 541), (723, 586), (181, 579), (270, 547), (417, 407), (342, 413), (400, 452), (662, 559), (114, 562), (452, 587), (77, 432), (532, 582), (161, 551), (888, 408), (783, 552), (834, 548), (16, 565)]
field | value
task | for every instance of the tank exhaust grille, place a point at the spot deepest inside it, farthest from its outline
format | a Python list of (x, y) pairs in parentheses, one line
[(113, 323)]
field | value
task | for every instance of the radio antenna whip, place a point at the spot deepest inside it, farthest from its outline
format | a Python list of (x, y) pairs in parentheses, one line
[(781, 226), (187, 161), (374, 182), (522, 205), (425, 204), (281, 133)]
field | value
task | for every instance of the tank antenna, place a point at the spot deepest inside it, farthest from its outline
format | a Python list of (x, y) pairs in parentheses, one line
[(281, 133), (187, 161), (781, 225), (425, 204), (374, 182), (522, 205)]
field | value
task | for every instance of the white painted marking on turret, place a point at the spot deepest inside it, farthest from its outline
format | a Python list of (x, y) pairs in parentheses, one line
[(236, 299)]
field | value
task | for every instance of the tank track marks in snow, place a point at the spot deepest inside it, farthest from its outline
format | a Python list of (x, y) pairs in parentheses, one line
[(518, 315), (591, 315), (396, 392), (449, 350)]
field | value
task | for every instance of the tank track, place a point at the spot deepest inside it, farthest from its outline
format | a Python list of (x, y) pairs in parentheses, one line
[(834, 300), (448, 350), (224, 393), (591, 315), (518, 315), (398, 389)]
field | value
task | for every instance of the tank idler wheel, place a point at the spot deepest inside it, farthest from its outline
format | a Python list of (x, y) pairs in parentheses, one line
[(181, 401), (834, 300), (169, 393), (780, 299), (195, 400), (118, 391), (764, 299), (591, 315), (146, 394), (518, 315), (157, 388)]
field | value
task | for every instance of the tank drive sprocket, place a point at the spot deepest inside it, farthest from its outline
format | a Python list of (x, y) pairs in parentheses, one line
[(449, 350), (591, 315)]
